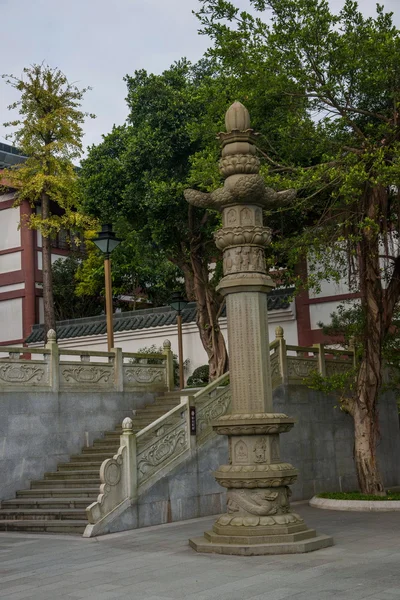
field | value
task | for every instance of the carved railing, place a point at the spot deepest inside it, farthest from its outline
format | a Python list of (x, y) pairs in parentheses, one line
[(149, 455), (294, 364), (118, 488), (54, 369), (161, 444), (210, 403), (140, 461)]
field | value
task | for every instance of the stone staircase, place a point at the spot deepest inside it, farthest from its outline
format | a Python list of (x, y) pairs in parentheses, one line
[(57, 503)]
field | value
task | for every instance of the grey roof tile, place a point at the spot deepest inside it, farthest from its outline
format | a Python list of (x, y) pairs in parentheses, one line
[(141, 319)]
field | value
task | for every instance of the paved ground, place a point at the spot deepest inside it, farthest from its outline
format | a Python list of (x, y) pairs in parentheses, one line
[(157, 564)]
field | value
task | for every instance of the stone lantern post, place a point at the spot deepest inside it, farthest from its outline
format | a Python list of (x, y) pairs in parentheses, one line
[(258, 519)]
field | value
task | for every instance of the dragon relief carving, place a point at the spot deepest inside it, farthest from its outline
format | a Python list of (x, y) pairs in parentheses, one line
[(144, 374), (261, 503), (21, 373), (86, 374), (235, 520)]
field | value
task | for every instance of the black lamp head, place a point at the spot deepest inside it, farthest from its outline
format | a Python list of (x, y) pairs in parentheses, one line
[(107, 241)]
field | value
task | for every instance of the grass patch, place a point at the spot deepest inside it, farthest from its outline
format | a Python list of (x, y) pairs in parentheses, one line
[(358, 496)]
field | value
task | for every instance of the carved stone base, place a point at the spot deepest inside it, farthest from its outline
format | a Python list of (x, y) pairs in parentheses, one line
[(257, 546)]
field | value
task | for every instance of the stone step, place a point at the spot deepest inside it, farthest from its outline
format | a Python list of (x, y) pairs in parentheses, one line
[(37, 525), (91, 456), (83, 474), (88, 465), (63, 482), (105, 449), (48, 503), (60, 492), (155, 408), (53, 514), (105, 442)]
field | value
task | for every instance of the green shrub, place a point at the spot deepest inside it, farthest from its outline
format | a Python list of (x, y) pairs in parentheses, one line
[(200, 377), (156, 361)]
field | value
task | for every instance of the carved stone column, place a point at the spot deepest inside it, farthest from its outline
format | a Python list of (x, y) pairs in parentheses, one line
[(258, 519)]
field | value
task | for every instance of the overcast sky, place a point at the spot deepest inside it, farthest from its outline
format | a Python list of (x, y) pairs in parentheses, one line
[(96, 42)]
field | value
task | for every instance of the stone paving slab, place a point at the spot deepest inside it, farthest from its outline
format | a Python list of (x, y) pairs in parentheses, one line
[(156, 563)]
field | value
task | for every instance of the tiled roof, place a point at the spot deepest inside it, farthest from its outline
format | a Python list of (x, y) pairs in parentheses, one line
[(9, 156), (141, 319)]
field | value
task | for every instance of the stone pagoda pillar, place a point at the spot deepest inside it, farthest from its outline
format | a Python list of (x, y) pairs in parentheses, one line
[(258, 519)]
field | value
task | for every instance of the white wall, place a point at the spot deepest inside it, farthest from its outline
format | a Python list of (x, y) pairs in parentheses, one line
[(11, 319), (54, 257), (10, 262), (11, 288), (322, 313), (132, 341), (10, 236)]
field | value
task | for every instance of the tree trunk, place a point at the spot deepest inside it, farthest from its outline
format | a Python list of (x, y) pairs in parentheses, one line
[(365, 439), (369, 379), (48, 301), (208, 305)]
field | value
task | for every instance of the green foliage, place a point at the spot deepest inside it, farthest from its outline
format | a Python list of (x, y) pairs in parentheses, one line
[(200, 377), (358, 496), (67, 305), (341, 70), (49, 133), (139, 271)]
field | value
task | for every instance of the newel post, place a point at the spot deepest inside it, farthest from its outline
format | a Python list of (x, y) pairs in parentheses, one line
[(279, 336), (169, 362), (128, 439), (54, 361), (118, 369), (321, 359)]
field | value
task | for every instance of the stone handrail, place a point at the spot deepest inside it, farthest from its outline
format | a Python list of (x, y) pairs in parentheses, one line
[(140, 461), (59, 370), (144, 458), (118, 488), (161, 444)]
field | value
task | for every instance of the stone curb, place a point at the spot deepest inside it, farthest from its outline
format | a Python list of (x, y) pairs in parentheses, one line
[(356, 505)]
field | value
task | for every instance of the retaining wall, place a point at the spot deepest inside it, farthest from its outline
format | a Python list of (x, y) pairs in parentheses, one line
[(40, 429), (320, 446)]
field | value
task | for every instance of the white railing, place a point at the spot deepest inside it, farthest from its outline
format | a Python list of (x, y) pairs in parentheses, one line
[(63, 369)]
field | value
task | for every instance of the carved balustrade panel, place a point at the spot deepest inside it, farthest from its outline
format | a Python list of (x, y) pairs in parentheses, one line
[(24, 374), (337, 367), (299, 367), (86, 375), (139, 375), (208, 409), (276, 376), (166, 445)]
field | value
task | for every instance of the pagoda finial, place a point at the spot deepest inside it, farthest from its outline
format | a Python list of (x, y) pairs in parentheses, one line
[(237, 117)]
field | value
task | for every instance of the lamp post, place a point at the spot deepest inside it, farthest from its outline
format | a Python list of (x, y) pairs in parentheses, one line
[(178, 303), (107, 242)]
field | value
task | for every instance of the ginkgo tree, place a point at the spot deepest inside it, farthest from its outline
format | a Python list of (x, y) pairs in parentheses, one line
[(48, 131)]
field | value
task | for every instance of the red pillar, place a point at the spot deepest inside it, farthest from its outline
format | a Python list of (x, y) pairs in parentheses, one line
[(28, 269), (303, 309)]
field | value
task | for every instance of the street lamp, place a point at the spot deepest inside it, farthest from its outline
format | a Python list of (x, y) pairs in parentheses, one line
[(178, 303), (107, 242)]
